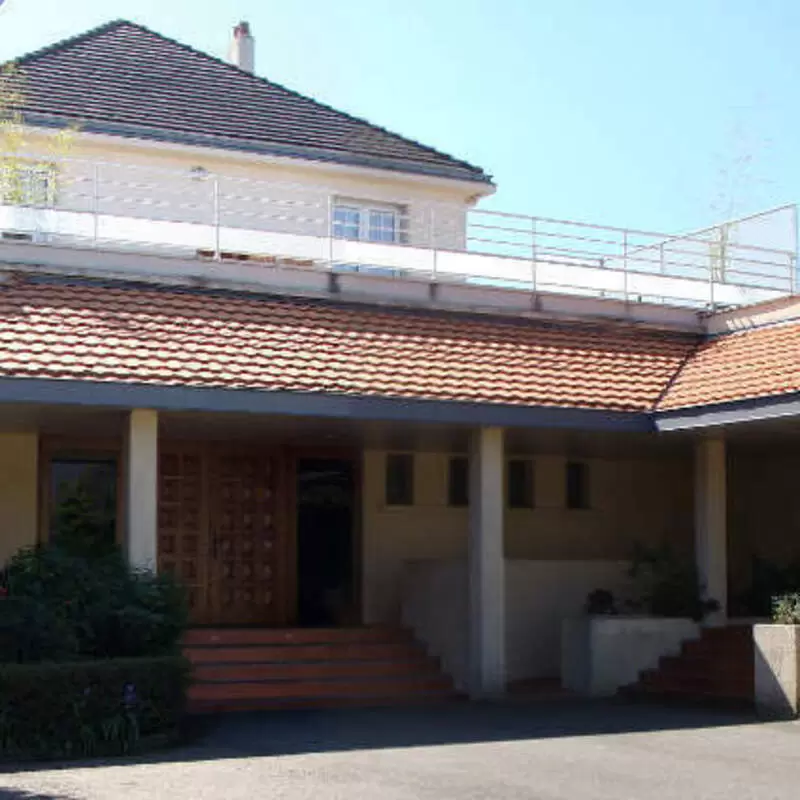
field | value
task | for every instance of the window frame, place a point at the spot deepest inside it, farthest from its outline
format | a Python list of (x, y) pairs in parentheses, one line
[(577, 485), (529, 483), (462, 500), (364, 209), (37, 185), (389, 500)]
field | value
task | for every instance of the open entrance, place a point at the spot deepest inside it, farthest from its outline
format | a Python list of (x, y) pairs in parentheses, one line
[(326, 503)]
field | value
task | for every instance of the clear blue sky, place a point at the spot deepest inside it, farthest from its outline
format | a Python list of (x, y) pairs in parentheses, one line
[(658, 115)]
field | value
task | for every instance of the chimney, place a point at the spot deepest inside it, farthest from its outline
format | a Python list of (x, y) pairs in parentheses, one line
[(243, 48)]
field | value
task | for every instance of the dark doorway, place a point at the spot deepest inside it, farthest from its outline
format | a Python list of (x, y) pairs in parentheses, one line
[(325, 542)]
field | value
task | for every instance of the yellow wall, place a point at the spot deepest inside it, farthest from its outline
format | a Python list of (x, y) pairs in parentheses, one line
[(646, 500), (18, 492)]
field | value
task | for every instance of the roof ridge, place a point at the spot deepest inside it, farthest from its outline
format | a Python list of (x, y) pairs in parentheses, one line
[(117, 23)]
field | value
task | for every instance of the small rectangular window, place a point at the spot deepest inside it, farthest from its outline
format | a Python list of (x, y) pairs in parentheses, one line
[(520, 483), (367, 222), (458, 482), (400, 479), (577, 484), (28, 185)]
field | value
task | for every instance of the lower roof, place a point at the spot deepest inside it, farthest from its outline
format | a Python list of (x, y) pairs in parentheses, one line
[(131, 334)]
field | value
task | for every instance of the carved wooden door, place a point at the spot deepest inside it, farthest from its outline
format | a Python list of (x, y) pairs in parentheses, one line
[(183, 525), (247, 538)]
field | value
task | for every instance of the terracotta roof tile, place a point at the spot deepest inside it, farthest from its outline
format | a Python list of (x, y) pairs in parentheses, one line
[(134, 335), (752, 364)]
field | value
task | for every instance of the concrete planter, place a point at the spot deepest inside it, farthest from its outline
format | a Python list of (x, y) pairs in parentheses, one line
[(601, 654), (777, 670)]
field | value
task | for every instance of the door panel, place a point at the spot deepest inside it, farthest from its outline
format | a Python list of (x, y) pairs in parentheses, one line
[(246, 539), (222, 530), (183, 526)]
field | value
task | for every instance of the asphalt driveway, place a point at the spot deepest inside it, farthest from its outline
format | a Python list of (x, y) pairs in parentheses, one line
[(549, 751)]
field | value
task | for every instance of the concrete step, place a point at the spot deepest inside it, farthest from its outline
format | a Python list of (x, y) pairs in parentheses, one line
[(262, 654), (216, 637)]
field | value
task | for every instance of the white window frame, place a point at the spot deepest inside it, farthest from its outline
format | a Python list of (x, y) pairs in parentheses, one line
[(364, 208)]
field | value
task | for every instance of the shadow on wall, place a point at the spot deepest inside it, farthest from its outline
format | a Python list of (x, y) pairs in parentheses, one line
[(295, 732), (21, 794)]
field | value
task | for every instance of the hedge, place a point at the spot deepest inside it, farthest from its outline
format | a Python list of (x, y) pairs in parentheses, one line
[(90, 708)]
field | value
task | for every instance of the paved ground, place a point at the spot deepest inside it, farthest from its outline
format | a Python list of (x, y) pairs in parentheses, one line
[(546, 751)]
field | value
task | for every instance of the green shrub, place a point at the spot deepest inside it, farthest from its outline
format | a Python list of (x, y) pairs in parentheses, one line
[(786, 609), (89, 708), (61, 604), (667, 585)]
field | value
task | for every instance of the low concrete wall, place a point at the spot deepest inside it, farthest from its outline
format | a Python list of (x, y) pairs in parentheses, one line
[(539, 596), (601, 654), (777, 670)]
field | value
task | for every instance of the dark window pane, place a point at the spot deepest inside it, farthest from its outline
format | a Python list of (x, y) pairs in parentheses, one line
[(346, 222), (520, 483), (400, 479), (577, 484), (458, 482), (84, 496)]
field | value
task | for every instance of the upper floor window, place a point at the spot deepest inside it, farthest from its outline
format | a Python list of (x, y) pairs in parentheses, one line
[(519, 483), (28, 185), (458, 482), (366, 222)]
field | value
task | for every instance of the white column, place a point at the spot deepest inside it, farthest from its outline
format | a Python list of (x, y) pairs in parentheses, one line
[(141, 484), (487, 631), (710, 523)]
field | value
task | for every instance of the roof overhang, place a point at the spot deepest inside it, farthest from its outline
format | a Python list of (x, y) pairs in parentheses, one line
[(739, 412), (314, 404)]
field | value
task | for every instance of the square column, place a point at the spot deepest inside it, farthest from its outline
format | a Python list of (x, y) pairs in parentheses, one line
[(141, 488), (487, 630), (710, 522)]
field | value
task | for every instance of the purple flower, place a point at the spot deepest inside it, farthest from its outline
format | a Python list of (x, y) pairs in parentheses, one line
[(129, 695)]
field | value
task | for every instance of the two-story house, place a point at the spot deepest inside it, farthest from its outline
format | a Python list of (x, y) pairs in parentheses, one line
[(285, 353)]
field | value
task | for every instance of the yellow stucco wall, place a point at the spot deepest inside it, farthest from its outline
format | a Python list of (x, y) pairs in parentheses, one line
[(646, 500), (18, 492)]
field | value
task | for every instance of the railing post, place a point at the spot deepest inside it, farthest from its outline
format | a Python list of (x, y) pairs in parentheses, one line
[(330, 232), (95, 202), (661, 257), (217, 248), (533, 254), (433, 244), (625, 266)]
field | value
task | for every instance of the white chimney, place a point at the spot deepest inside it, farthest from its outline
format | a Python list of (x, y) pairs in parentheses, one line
[(243, 48)]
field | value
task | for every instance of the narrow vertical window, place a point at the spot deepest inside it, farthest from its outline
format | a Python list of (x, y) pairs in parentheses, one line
[(458, 482), (399, 479), (577, 484), (519, 487)]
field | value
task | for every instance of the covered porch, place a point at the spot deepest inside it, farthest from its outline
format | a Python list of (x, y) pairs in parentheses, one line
[(480, 539)]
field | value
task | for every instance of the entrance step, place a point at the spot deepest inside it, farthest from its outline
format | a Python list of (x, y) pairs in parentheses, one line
[(238, 669), (716, 669)]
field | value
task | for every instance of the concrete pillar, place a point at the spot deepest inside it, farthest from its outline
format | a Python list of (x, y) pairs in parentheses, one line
[(487, 630), (710, 523), (141, 488)]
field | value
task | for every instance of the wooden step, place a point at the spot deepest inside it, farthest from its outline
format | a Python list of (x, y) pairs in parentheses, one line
[(309, 670), (311, 652), (206, 637)]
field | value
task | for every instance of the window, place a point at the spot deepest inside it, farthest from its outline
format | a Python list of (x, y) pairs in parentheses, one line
[(519, 484), (458, 482), (84, 490), (28, 185), (365, 222), (577, 484), (399, 479)]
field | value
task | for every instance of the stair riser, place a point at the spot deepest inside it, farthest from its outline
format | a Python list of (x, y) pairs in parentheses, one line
[(311, 671), (232, 706), (312, 689), (292, 653), (219, 637)]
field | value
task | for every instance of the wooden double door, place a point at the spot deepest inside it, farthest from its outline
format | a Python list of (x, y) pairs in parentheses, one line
[(223, 529)]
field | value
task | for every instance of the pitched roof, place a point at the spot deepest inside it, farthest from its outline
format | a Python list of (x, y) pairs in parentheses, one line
[(759, 363), (124, 79), (134, 335)]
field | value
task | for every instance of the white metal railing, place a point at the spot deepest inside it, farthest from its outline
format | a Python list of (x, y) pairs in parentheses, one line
[(223, 217)]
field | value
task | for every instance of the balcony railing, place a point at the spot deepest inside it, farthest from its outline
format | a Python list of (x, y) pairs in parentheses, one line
[(224, 218)]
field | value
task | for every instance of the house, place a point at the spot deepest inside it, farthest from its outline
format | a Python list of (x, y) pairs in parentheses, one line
[(293, 361)]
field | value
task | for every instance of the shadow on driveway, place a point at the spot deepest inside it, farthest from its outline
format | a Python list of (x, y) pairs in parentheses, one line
[(294, 732)]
